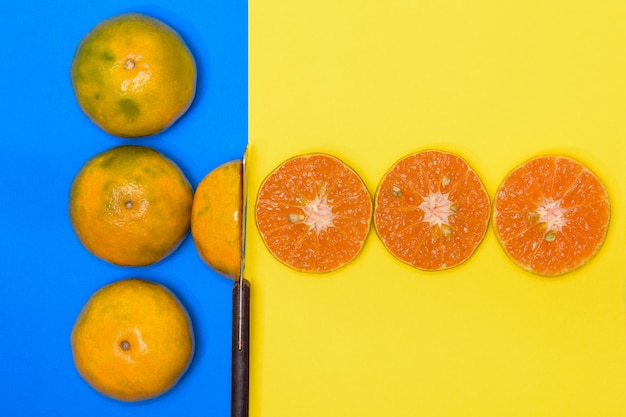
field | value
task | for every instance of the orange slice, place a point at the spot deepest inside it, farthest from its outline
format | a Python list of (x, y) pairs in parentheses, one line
[(551, 215), (431, 210), (313, 213)]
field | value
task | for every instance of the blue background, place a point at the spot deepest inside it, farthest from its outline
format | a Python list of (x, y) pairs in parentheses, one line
[(47, 275)]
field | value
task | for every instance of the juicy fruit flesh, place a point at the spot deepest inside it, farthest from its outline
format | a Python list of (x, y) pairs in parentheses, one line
[(431, 210), (313, 213), (133, 340), (551, 215)]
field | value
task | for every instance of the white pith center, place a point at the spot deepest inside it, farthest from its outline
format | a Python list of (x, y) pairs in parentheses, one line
[(318, 214), (552, 214), (437, 208)]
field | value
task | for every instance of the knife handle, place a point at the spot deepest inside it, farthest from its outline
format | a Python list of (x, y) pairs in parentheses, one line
[(240, 395)]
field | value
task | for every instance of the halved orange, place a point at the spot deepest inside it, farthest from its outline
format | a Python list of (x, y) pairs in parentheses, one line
[(551, 215), (431, 210), (313, 213), (216, 218)]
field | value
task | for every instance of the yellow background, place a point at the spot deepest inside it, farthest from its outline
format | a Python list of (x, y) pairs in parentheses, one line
[(497, 82)]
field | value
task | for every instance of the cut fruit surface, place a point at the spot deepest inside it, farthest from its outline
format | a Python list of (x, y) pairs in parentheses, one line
[(551, 215), (313, 213), (431, 210)]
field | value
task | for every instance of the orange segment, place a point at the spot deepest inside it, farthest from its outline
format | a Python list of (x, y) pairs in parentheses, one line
[(431, 210), (551, 215), (313, 213)]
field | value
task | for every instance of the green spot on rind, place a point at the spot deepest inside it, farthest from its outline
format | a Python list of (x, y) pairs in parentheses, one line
[(107, 56), (129, 108)]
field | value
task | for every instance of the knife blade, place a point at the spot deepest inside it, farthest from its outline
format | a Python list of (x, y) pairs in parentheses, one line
[(240, 390)]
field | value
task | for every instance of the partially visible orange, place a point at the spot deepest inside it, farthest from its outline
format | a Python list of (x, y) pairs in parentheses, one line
[(133, 340), (431, 210), (133, 75), (130, 205), (216, 218), (314, 213), (551, 215)]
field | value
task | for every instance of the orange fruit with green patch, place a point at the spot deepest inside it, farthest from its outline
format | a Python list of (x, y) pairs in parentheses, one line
[(551, 215), (431, 210), (314, 213), (133, 340), (133, 75), (216, 218), (130, 205)]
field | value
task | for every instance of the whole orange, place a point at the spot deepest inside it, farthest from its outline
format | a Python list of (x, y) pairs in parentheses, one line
[(133, 75), (133, 340), (130, 205), (216, 218)]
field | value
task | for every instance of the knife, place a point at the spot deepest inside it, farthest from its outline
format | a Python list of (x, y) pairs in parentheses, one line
[(240, 394)]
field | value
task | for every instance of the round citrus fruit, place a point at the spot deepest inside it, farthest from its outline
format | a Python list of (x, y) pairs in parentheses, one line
[(133, 75), (431, 210), (133, 340), (130, 205), (313, 213), (216, 218), (551, 215)]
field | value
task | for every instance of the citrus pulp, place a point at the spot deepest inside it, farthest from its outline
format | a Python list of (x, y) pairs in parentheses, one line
[(313, 213), (130, 205), (551, 215), (133, 75), (431, 210), (216, 218), (133, 340)]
